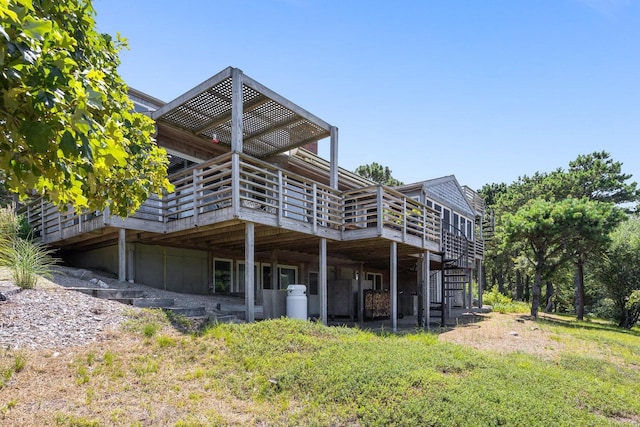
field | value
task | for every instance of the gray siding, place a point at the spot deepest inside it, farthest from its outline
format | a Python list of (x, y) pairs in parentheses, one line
[(174, 269)]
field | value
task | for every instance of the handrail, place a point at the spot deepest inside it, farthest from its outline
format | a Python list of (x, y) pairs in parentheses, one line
[(382, 207), (258, 190)]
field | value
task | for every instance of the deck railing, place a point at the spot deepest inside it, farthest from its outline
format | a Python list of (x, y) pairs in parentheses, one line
[(475, 200), (386, 209), (243, 185)]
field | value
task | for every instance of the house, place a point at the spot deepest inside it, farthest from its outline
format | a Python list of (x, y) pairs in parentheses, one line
[(247, 192)]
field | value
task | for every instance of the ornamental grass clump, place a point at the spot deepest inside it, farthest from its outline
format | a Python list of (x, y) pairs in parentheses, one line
[(26, 259)]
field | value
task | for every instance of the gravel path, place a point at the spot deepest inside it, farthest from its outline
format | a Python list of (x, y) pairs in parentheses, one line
[(55, 316)]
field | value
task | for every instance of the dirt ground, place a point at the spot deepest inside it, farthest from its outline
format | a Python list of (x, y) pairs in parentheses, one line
[(505, 333)]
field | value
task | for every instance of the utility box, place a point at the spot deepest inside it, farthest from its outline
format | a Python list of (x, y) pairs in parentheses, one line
[(297, 302)]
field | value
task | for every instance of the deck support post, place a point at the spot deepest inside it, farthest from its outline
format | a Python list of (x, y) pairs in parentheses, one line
[(131, 263), (360, 294), (249, 293), (426, 294), (322, 280), (480, 284), (122, 255), (394, 285), (470, 277)]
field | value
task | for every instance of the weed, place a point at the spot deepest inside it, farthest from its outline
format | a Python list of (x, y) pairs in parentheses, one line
[(108, 358), (9, 406), (150, 329), (82, 375), (165, 341), (72, 421)]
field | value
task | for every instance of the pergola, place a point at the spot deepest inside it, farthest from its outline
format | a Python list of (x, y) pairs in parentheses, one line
[(235, 111)]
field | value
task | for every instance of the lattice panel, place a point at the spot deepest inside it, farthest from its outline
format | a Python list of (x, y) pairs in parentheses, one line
[(268, 127)]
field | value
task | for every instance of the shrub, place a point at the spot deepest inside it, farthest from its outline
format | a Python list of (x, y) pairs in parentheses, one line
[(27, 259), (502, 303), (632, 308), (604, 308), (494, 297)]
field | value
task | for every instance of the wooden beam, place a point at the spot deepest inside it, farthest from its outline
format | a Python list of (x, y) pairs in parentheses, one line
[(333, 178), (131, 271), (249, 291), (236, 111), (393, 272), (426, 268), (322, 280), (360, 294), (122, 255)]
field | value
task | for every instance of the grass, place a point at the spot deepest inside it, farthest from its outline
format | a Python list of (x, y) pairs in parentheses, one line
[(27, 259), (288, 372)]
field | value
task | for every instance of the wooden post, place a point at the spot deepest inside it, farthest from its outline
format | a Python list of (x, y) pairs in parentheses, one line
[(360, 294), (404, 219), (235, 184), (236, 110), (280, 197), (106, 216), (196, 195), (249, 294), (314, 217), (379, 209), (131, 263), (333, 179), (480, 284), (322, 280), (443, 297), (122, 255), (394, 286), (427, 293)]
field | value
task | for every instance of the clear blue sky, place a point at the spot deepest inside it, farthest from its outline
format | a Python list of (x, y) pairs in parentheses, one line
[(485, 90)]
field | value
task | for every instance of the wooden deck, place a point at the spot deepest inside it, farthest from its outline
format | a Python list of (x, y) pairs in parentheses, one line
[(212, 201)]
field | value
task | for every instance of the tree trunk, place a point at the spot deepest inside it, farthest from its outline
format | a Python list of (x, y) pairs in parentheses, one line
[(501, 283), (579, 283), (527, 288), (519, 286), (549, 297), (535, 293)]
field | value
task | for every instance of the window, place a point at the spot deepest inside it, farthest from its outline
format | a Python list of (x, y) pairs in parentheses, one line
[(222, 275), (241, 278), (456, 223), (376, 279), (266, 276), (313, 283), (287, 275), (446, 219)]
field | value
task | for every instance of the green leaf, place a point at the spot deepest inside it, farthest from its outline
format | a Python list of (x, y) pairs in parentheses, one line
[(68, 145), (37, 135), (35, 28)]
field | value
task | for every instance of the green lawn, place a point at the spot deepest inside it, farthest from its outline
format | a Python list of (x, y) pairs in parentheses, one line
[(285, 372)]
